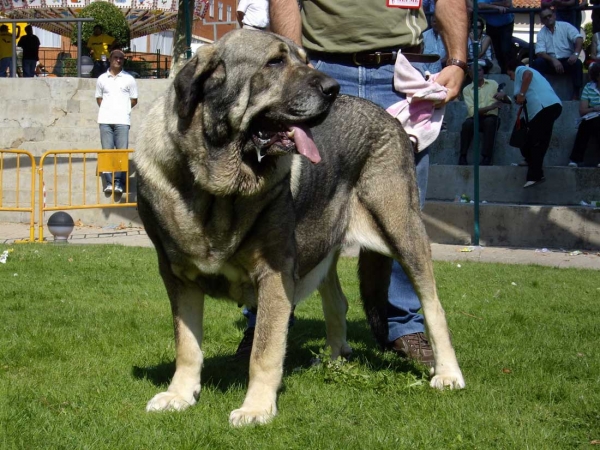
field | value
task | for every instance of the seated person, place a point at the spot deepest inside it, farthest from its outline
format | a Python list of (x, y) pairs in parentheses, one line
[(589, 108), (486, 52), (488, 118), (434, 45), (565, 10), (557, 50)]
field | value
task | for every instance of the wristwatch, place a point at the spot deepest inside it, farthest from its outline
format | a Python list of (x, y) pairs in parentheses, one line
[(457, 62), (576, 54)]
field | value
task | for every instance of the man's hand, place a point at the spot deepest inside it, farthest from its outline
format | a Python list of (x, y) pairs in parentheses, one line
[(572, 59), (451, 17), (519, 99), (558, 68), (452, 78), (502, 97)]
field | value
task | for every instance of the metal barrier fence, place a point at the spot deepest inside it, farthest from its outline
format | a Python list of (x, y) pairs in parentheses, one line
[(14, 196), (64, 178)]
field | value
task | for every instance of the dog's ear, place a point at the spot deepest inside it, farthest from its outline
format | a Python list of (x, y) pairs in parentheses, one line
[(189, 82)]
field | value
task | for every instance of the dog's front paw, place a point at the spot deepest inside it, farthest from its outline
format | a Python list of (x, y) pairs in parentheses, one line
[(344, 350), (448, 379), (169, 401), (247, 416)]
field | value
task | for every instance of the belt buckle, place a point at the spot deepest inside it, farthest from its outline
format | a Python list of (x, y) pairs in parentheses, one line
[(377, 59)]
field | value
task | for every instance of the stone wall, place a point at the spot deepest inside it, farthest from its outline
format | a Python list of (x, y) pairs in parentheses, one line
[(40, 114)]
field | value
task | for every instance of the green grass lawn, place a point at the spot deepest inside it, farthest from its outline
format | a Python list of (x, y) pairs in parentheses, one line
[(87, 340)]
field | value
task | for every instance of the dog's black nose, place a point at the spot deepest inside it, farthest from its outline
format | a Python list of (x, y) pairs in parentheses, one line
[(330, 87)]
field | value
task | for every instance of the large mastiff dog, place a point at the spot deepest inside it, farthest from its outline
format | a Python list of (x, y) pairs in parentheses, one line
[(241, 204)]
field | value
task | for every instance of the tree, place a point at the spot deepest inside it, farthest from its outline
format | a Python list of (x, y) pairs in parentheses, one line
[(109, 17), (179, 37)]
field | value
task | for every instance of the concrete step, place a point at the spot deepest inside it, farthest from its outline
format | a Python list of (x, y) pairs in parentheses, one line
[(504, 184), (511, 225)]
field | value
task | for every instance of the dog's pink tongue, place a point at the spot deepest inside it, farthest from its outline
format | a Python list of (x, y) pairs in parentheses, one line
[(305, 144)]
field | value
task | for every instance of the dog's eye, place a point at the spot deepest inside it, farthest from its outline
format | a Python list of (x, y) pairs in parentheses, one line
[(275, 62)]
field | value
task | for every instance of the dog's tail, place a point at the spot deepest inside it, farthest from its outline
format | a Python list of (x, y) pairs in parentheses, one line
[(374, 272)]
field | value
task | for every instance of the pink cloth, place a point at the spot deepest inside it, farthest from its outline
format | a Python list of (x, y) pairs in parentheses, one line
[(422, 112)]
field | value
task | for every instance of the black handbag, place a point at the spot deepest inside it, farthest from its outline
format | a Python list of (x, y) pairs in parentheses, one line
[(520, 130)]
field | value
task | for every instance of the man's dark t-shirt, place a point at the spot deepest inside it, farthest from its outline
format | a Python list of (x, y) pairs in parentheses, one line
[(30, 45)]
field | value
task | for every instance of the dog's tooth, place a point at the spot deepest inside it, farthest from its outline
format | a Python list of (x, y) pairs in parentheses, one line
[(258, 155), (291, 133)]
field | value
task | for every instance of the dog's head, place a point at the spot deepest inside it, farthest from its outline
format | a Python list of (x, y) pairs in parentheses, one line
[(251, 98)]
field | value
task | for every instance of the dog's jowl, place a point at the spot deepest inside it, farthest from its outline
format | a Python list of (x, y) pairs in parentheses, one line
[(253, 173)]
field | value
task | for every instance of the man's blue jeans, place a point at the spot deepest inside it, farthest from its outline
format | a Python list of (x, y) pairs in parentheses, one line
[(115, 137), (376, 84), (29, 68), (5, 64), (99, 68)]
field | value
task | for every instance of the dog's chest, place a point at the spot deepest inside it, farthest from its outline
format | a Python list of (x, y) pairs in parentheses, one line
[(225, 281)]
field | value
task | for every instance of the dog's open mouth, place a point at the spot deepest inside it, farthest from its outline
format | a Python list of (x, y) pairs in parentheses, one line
[(296, 138)]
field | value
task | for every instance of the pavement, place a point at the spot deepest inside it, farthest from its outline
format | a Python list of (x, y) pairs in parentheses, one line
[(11, 233)]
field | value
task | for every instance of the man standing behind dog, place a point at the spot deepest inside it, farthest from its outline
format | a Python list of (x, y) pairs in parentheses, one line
[(354, 43), (253, 14), (30, 45), (116, 94)]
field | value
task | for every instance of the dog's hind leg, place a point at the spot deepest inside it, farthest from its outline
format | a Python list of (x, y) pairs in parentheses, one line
[(275, 297), (335, 308), (397, 217), (187, 304)]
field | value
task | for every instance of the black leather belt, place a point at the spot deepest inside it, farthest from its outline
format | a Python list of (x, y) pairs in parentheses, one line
[(377, 57)]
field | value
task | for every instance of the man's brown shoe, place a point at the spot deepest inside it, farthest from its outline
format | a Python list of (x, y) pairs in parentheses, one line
[(414, 346)]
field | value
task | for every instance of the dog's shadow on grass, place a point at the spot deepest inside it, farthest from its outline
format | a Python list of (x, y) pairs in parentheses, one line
[(223, 371)]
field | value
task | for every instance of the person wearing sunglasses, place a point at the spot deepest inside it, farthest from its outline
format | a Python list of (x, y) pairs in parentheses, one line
[(557, 50), (486, 49)]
